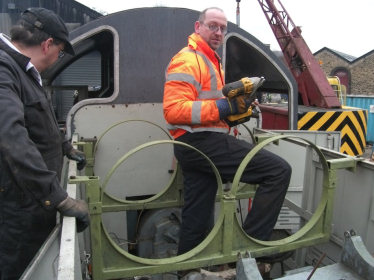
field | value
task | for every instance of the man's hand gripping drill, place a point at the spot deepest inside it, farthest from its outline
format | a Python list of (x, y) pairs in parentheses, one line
[(241, 96)]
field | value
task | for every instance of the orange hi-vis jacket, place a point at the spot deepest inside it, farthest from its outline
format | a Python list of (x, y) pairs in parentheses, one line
[(194, 80)]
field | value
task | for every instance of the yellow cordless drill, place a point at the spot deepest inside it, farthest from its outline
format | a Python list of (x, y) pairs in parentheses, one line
[(245, 86)]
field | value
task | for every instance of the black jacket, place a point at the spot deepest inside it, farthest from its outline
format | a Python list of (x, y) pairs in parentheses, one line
[(31, 153)]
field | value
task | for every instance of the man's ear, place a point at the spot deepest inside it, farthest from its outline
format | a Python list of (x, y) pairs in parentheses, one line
[(197, 27), (46, 45)]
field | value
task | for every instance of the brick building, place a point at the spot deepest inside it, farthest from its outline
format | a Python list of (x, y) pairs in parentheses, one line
[(357, 74)]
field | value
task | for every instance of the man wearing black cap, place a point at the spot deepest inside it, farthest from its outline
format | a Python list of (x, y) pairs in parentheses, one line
[(31, 145)]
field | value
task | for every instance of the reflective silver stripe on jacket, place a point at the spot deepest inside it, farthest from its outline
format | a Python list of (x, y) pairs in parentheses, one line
[(197, 129), (196, 112), (182, 77)]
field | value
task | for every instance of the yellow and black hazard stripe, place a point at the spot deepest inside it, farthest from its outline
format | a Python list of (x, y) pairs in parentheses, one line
[(352, 123)]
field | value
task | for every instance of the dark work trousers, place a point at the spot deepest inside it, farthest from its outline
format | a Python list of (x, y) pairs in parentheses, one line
[(271, 172), (24, 226)]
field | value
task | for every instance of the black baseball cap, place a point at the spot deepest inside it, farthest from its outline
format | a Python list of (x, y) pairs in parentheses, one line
[(50, 23)]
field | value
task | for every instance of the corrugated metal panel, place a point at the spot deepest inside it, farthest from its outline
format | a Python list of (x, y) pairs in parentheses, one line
[(86, 71), (5, 23), (364, 102), (69, 10)]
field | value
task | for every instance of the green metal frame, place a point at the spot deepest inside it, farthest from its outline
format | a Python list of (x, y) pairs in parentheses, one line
[(226, 241)]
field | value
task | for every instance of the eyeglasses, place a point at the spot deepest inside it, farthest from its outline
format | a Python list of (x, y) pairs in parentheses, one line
[(58, 43), (215, 28), (61, 54)]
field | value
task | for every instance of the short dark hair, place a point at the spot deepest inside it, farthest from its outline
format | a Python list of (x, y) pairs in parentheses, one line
[(28, 35), (203, 13)]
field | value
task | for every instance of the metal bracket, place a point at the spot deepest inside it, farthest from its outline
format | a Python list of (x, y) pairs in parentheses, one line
[(246, 268), (349, 163), (356, 256), (95, 208), (262, 137)]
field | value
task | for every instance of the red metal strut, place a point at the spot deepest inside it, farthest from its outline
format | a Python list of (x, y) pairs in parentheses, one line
[(311, 80)]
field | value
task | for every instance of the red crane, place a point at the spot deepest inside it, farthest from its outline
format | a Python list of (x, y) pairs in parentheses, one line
[(311, 80)]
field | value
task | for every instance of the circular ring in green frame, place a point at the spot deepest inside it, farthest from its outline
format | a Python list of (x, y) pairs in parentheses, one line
[(324, 197), (124, 122), (125, 157), (193, 251), (146, 145)]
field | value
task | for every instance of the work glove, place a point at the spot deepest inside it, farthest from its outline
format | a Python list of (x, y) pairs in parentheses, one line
[(78, 156), (233, 106), (75, 208)]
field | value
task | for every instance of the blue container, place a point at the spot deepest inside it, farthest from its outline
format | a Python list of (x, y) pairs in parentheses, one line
[(364, 102)]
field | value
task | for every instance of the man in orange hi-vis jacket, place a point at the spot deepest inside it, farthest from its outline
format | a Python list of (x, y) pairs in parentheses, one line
[(195, 111)]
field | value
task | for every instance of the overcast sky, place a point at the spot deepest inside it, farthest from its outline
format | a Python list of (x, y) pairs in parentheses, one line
[(342, 25)]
